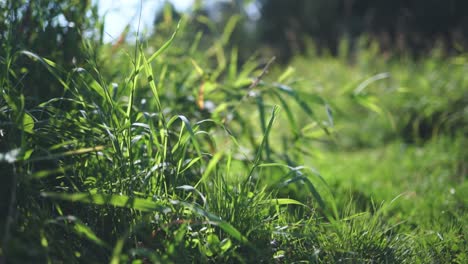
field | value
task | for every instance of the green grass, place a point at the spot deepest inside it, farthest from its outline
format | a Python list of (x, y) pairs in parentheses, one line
[(423, 185), (186, 154)]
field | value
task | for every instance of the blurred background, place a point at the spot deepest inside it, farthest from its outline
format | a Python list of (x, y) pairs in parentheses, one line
[(283, 28), (287, 26)]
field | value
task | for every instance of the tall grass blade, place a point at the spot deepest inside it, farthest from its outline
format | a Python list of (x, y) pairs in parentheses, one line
[(163, 47), (258, 156), (49, 65)]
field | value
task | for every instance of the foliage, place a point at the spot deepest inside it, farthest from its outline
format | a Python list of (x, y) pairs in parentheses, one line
[(173, 149), (55, 29)]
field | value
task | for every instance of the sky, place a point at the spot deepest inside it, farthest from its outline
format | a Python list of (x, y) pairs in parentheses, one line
[(119, 13)]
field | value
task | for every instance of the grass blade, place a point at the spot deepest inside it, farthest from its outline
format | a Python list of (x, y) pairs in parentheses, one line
[(265, 136)]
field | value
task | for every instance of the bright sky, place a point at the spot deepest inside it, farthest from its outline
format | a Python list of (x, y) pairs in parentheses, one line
[(118, 13)]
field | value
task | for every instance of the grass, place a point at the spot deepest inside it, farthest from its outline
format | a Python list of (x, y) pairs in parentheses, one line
[(187, 154)]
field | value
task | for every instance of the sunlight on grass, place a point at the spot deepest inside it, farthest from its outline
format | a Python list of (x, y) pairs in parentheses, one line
[(175, 149)]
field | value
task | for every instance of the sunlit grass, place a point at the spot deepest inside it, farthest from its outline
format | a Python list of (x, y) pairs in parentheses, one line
[(186, 154)]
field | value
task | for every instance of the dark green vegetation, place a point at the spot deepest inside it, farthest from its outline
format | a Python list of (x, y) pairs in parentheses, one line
[(175, 150), (398, 25)]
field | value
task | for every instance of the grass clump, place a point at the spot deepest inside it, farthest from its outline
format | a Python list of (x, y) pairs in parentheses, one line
[(123, 176)]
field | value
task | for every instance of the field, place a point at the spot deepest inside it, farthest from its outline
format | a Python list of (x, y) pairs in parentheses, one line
[(179, 150)]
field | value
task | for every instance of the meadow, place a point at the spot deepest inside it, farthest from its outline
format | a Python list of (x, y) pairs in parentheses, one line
[(175, 149)]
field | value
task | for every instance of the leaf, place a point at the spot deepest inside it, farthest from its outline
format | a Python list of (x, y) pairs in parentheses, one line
[(83, 150), (144, 205), (116, 252), (98, 89), (79, 228), (110, 199), (291, 119), (197, 67), (369, 102), (329, 208), (28, 123), (286, 74), (266, 134), (225, 226), (83, 230), (302, 99), (225, 245), (46, 173), (364, 84), (211, 165), (233, 64), (190, 164), (329, 114), (187, 124), (229, 28), (143, 125), (311, 187), (163, 47), (189, 188), (152, 83), (50, 65), (283, 201)]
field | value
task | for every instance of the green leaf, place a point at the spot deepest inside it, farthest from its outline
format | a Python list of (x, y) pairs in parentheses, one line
[(190, 129), (50, 65), (28, 123), (291, 119), (225, 226), (98, 89), (283, 201), (364, 84), (46, 173), (229, 28), (211, 166), (225, 245), (152, 83), (144, 205), (369, 102), (266, 134), (189, 188), (110, 199), (163, 47), (286, 74), (83, 230), (190, 164)]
